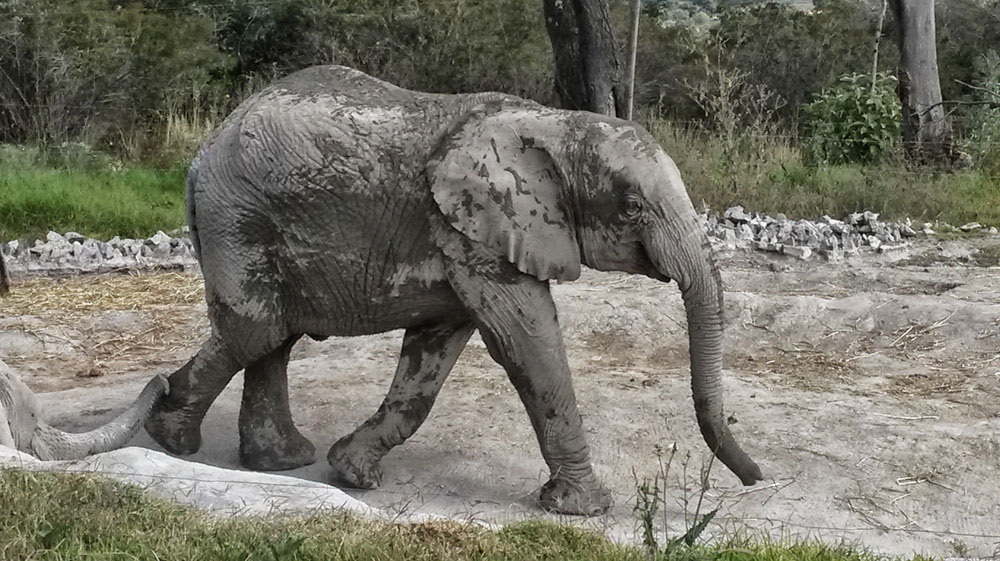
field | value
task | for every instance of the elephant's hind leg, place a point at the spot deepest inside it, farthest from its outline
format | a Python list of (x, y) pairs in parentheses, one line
[(269, 440), (175, 422), (428, 355)]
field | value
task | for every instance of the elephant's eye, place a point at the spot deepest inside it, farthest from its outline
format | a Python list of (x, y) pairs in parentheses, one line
[(633, 206)]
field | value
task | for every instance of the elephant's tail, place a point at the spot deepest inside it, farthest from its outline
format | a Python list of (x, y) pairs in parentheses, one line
[(192, 179)]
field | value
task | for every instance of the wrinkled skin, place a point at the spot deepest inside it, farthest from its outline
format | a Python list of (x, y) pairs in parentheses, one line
[(22, 428), (332, 203), (4, 277)]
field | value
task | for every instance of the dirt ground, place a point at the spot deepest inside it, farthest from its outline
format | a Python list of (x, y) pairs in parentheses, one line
[(867, 389)]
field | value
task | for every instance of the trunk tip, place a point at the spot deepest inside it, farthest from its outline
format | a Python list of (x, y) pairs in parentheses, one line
[(750, 473)]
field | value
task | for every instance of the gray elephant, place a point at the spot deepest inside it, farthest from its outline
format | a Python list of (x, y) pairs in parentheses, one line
[(22, 428), (333, 203), (4, 277)]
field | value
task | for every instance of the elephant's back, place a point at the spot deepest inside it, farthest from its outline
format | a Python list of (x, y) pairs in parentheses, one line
[(316, 183)]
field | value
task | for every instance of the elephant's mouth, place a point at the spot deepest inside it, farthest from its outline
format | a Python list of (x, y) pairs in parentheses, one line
[(647, 266)]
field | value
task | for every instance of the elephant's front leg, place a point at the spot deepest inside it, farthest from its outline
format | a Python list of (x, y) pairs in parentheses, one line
[(517, 319), (269, 440), (428, 355)]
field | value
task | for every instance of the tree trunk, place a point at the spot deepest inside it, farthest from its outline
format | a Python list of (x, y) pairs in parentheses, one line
[(926, 132), (587, 67)]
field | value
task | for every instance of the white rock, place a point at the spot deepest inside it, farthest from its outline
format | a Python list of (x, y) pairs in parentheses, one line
[(159, 238), (800, 251)]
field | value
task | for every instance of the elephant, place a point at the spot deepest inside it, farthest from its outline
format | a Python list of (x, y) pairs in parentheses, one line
[(22, 428), (332, 203), (4, 277)]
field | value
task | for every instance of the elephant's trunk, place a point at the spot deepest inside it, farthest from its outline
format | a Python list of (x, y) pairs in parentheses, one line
[(692, 266), (53, 444)]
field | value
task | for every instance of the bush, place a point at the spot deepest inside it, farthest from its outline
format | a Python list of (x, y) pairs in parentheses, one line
[(856, 122), (982, 140), (79, 70), (796, 53)]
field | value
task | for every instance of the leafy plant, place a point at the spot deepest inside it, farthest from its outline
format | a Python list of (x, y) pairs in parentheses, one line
[(982, 140), (855, 122)]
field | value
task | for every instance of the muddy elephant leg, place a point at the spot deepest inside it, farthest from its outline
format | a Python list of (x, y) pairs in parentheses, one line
[(428, 355), (517, 319), (175, 422), (269, 440)]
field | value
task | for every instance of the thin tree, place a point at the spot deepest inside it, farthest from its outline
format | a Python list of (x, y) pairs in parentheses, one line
[(588, 71), (927, 133)]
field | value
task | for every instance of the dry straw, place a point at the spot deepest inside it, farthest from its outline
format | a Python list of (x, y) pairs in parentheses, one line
[(168, 329), (74, 296)]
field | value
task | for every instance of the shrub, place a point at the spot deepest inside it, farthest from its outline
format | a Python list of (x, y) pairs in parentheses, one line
[(982, 139), (82, 70), (853, 122)]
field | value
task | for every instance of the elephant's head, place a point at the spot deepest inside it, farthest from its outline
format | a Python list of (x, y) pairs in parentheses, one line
[(22, 428), (553, 189)]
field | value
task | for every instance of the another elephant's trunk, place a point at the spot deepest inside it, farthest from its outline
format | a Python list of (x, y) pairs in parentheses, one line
[(53, 444), (692, 266), (4, 277)]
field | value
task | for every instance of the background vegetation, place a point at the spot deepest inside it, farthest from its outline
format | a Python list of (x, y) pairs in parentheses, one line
[(748, 97)]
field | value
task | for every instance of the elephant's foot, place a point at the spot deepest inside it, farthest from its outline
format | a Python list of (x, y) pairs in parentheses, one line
[(273, 451), (585, 497), (353, 465), (174, 429)]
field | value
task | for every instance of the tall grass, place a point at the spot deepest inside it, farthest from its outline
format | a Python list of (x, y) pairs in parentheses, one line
[(95, 198), (765, 173)]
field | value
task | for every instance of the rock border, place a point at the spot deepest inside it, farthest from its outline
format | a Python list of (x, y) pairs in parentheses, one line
[(735, 229)]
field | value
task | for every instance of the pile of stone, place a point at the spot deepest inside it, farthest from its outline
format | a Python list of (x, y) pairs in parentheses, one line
[(833, 239), (73, 253), (828, 237)]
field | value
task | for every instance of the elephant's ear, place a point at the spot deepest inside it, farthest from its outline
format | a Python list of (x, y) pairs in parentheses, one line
[(496, 181)]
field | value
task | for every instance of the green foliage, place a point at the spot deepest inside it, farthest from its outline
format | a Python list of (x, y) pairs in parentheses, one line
[(85, 70), (856, 122), (964, 29), (796, 53), (447, 46), (982, 139)]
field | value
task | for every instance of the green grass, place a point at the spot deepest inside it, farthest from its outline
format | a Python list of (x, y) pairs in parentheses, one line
[(74, 516), (100, 202), (765, 173), (76, 189)]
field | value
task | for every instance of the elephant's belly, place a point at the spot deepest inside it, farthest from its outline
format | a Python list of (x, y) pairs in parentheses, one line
[(410, 304)]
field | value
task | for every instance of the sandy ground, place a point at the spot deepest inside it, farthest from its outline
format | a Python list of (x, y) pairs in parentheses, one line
[(867, 389)]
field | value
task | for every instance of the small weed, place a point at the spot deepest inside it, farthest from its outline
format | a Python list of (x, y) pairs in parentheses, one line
[(651, 498)]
